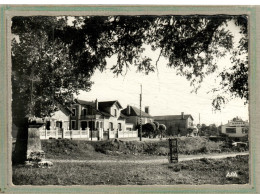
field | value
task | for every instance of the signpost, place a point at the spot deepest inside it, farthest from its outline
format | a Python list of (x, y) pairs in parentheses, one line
[(173, 154)]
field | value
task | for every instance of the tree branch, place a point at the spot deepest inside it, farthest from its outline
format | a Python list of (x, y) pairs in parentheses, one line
[(156, 63)]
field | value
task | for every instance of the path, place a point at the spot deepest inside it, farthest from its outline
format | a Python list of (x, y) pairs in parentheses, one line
[(145, 161)]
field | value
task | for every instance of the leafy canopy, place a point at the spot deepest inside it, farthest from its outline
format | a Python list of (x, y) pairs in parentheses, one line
[(51, 59)]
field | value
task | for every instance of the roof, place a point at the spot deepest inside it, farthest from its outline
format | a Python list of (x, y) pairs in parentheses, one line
[(101, 106), (83, 102), (172, 117), (122, 116), (135, 112), (108, 104), (105, 114), (64, 109)]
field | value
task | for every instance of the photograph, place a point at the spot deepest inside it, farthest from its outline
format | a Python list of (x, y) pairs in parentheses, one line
[(130, 99)]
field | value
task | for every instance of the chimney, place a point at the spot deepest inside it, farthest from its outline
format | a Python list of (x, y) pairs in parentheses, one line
[(146, 109), (128, 110), (182, 115), (96, 104)]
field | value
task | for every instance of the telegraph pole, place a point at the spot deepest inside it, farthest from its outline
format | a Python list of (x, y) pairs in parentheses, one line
[(91, 130), (199, 118), (141, 114)]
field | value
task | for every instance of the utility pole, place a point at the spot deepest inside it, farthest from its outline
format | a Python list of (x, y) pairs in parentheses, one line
[(141, 114), (199, 118), (91, 130)]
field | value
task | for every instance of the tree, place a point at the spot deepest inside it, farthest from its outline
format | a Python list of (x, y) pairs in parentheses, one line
[(42, 73), (210, 130), (162, 129), (190, 130), (51, 60), (64, 57), (203, 130), (148, 129), (157, 131)]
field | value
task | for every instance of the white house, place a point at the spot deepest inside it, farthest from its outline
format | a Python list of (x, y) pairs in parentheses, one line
[(235, 128)]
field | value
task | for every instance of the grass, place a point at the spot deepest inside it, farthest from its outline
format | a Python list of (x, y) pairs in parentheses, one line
[(203, 171), (82, 149)]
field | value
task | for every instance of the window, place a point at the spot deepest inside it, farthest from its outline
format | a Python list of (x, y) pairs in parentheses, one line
[(83, 125), (101, 124), (84, 112), (111, 126), (231, 130), (48, 125), (97, 124), (74, 112), (59, 124), (119, 126), (115, 112), (244, 130), (73, 125), (129, 129)]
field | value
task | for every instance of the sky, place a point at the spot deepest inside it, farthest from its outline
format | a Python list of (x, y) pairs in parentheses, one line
[(165, 92)]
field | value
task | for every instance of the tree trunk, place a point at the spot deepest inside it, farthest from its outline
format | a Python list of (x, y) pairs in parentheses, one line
[(20, 151)]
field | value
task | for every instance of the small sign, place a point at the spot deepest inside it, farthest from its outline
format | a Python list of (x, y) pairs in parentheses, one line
[(173, 154)]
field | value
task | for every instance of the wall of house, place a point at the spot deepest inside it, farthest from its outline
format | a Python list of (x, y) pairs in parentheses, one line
[(115, 122), (239, 130), (175, 127), (135, 120), (189, 122), (59, 116), (76, 118), (132, 119), (129, 126)]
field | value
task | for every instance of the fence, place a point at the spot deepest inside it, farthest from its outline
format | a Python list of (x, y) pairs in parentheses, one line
[(85, 134), (125, 134), (67, 134)]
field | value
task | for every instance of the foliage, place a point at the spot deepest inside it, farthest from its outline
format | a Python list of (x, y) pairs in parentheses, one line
[(87, 150), (210, 130), (162, 129), (64, 56), (190, 130), (42, 72), (148, 129), (156, 124)]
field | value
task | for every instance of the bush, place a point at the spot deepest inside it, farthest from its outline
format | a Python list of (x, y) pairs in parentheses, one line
[(148, 129), (162, 151)]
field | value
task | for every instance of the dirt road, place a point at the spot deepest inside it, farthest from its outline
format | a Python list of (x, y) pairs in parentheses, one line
[(160, 160)]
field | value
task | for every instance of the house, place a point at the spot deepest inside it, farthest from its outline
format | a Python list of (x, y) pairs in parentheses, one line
[(132, 115), (94, 120), (57, 125), (235, 128), (176, 124), (103, 119)]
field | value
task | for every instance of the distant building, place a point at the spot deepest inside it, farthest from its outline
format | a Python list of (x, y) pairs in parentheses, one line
[(132, 115), (235, 128), (176, 124)]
